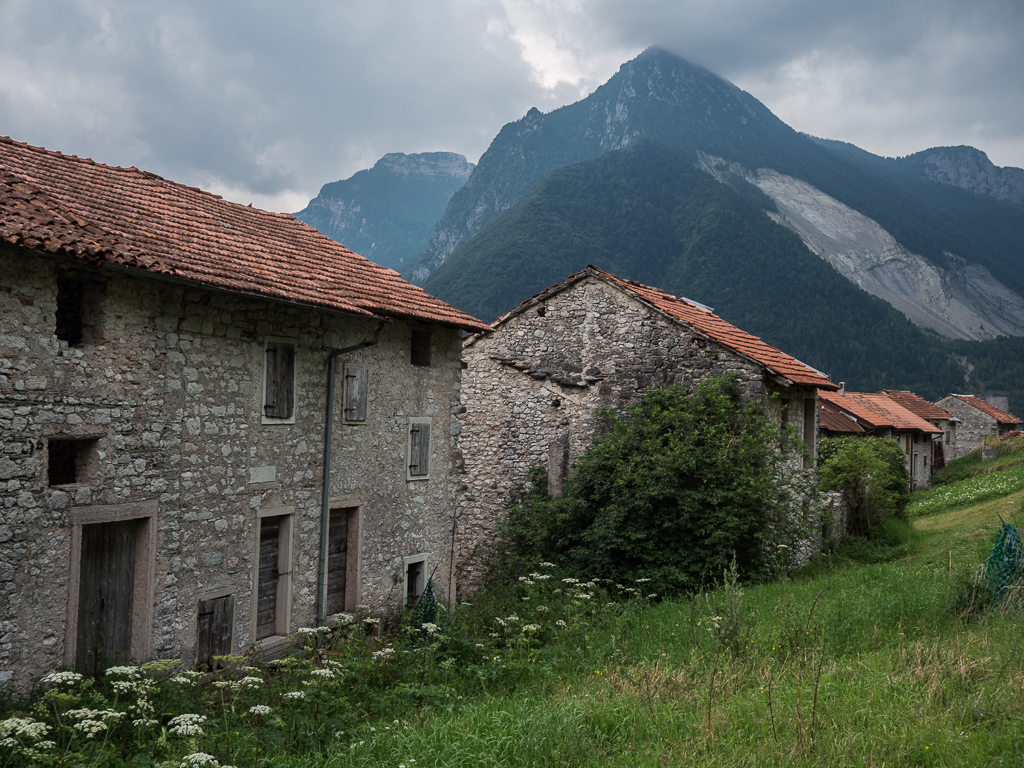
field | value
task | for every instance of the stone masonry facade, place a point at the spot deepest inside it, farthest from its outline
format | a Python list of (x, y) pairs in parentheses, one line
[(532, 390), (975, 425), (163, 401)]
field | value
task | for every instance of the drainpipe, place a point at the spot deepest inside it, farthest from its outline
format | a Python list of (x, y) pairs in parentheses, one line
[(325, 504)]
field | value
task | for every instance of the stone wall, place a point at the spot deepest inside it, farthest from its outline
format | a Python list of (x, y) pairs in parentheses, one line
[(973, 428), (167, 395), (533, 387)]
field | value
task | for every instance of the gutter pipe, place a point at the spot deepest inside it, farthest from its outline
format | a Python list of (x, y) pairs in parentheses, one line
[(325, 504)]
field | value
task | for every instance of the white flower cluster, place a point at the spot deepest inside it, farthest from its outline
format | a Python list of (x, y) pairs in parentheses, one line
[(325, 673), (383, 653), (200, 758), (188, 677), (371, 620), (132, 672), (311, 631), (430, 628), (531, 627), (61, 678), (560, 623), (297, 695), (187, 724), (571, 580), (343, 618), (144, 723), (260, 709), (250, 682), (22, 726), (547, 565)]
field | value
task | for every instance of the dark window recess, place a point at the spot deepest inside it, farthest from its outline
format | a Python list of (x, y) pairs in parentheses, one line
[(266, 595), (70, 461), (809, 431), (106, 587), (419, 450), (337, 560), (280, 387), (70, 301), (421, 348), (355, 393), (414, 581), (214, 635)]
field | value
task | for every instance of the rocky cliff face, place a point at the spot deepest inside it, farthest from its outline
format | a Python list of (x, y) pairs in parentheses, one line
[(387, 213), (963, 301), (970, 169)]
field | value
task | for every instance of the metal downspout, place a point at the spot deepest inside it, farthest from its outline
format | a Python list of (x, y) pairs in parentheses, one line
[(325, 504)]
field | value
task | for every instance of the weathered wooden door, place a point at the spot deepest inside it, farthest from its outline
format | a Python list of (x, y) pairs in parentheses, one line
[(266, 599), (337, 561), (106, 589), (215, 617)]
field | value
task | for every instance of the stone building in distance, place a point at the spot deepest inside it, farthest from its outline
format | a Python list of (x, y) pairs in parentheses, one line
[(535, 379), (167, 413), (978, 419)]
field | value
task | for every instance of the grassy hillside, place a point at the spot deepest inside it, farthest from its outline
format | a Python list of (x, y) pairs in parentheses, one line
[(645, 213)]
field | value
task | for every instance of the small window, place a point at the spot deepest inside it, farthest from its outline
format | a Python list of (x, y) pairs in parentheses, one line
[(216, 617), (419, 449), (415, 578), (70, 461), (70, 302), (279, 384), (355, 394), (421, 348)]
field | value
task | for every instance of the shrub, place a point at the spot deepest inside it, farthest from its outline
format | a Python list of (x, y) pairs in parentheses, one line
[(671, 490), (871, 474)]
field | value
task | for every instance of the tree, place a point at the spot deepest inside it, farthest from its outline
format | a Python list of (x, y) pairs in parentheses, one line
[(670, 491), (871, 473)]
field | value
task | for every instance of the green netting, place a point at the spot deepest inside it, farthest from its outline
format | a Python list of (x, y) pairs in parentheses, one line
[(999, 582)]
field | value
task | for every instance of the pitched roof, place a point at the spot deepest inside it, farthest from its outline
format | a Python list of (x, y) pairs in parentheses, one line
[(1002, 417), (878, 411), (834, 419), (918, 405), (106, 215), (699, 317)]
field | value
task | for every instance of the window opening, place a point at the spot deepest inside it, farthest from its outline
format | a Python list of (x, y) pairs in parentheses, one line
[(70, 301), (70, 461), (415, 578), (421, 348), (279, 389)]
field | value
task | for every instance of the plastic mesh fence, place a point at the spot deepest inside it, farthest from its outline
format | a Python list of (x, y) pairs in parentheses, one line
[(999, 582)]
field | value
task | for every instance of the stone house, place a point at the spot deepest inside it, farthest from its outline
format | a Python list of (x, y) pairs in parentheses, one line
[(978, 419), (535, 380), (176, 373), (878, 415), (943, 445)]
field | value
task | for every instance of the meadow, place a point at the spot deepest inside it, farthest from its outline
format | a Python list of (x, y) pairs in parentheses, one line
[(848, 661)]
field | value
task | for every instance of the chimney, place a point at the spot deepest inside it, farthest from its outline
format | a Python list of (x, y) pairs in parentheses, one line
[(842, 389)]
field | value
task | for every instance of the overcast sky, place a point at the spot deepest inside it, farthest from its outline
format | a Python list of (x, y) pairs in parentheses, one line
[(265, 101)]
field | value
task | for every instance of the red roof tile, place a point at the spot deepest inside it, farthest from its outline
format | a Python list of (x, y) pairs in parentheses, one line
[(109, 215), (918, 405), (875, 411), (704, 320), (1002, 417), (834, 419)]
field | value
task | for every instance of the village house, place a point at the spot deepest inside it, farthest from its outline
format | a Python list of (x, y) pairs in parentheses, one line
[(978, 419), (176, 373), (943, 445), (535, 380), (878, 415)]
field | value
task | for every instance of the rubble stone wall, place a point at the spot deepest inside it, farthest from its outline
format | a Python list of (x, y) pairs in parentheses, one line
[(168, 392), (973, 428)]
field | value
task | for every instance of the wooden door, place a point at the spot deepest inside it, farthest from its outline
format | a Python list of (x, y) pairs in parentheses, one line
[(214, 636), (106, 589), (337, 561), (269, 576)]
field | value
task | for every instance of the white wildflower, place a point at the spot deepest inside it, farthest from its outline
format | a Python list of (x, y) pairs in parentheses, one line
[(187, 724), (344, 618), (250, 682), (547, 565), (531, 627), (260, 709), (641, 581), (571, 581), (199, 758), (126, 671), (326, 673), (652, 595), (430, 628), (23, 726), (295, 695), (144, 723), (61, 678), (560, 623), (541, 608), (371, 620)]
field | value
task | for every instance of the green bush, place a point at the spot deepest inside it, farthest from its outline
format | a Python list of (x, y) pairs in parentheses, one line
[(670, 491), (871, 473)]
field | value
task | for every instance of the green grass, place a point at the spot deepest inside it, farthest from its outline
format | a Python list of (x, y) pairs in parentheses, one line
[(842, 664)]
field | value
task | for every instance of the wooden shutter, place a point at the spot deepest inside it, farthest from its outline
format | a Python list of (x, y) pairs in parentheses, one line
[(280, 388), (337, 561), (266, 595), (106, 588), (355, 393), (215, 618), (419, 449)]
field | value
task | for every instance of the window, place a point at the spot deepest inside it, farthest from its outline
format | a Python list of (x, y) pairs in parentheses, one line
[(421, 348), (213, 636), (70, 461), (273, 574), (78, 312), (419, 449), (279, 383), (415, 576), (356, 380)]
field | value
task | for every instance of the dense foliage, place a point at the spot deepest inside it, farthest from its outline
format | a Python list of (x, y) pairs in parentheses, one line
[(871, 473), (672, 491)]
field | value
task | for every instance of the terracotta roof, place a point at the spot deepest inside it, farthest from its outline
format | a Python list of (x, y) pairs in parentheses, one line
[(833, 419), (123, 216), (704, 320), (1002, 417), (876, 411), (918, 405)]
